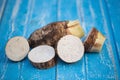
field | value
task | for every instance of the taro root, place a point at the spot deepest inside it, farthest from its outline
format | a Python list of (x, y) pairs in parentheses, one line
[(94, 41), (42, 57), (51, 33), (70, 49), (17, 48)]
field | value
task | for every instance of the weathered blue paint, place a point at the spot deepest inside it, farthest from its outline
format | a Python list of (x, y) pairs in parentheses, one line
[(76, 70), (22, 17), (2, 8), (105, 64), (114, 11), (39, 14)]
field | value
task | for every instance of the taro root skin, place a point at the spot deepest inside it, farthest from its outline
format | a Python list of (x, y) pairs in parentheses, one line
[(44, 65), (94, 41), (48, 35), (42, 57), (51, 33), (98, 43)]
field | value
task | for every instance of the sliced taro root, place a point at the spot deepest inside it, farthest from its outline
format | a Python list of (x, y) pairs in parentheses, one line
[(51, 33), (94, 41), (42, 57), (17, 48), (70, 49)]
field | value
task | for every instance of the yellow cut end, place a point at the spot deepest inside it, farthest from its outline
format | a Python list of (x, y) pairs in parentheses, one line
[(98, 43), (75, 28)]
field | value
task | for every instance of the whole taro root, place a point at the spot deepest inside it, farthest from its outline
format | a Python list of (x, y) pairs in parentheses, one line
[(51, 33)]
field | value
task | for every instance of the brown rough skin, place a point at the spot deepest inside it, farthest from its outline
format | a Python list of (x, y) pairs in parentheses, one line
[(49, 34), (90, 40), (45, 65)]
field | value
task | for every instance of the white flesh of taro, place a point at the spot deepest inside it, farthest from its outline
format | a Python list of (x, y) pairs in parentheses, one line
[(70, 49), (17, 48)]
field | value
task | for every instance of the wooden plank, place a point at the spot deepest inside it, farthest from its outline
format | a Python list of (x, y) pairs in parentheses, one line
[(23, 17), (7, 29), (22, 22), (39, 13), (2, 7), (103, 65), (114, 11), (112, 40), (18, 26), (67, 10)]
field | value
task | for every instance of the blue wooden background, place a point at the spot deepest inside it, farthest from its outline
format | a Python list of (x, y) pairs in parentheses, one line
[(22, 17)]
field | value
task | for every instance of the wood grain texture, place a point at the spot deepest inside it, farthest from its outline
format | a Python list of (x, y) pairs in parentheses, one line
[(106, 65), (2, 8), (113, 13), (38, 15), (22, 17), (69, 71), (6, 66)]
